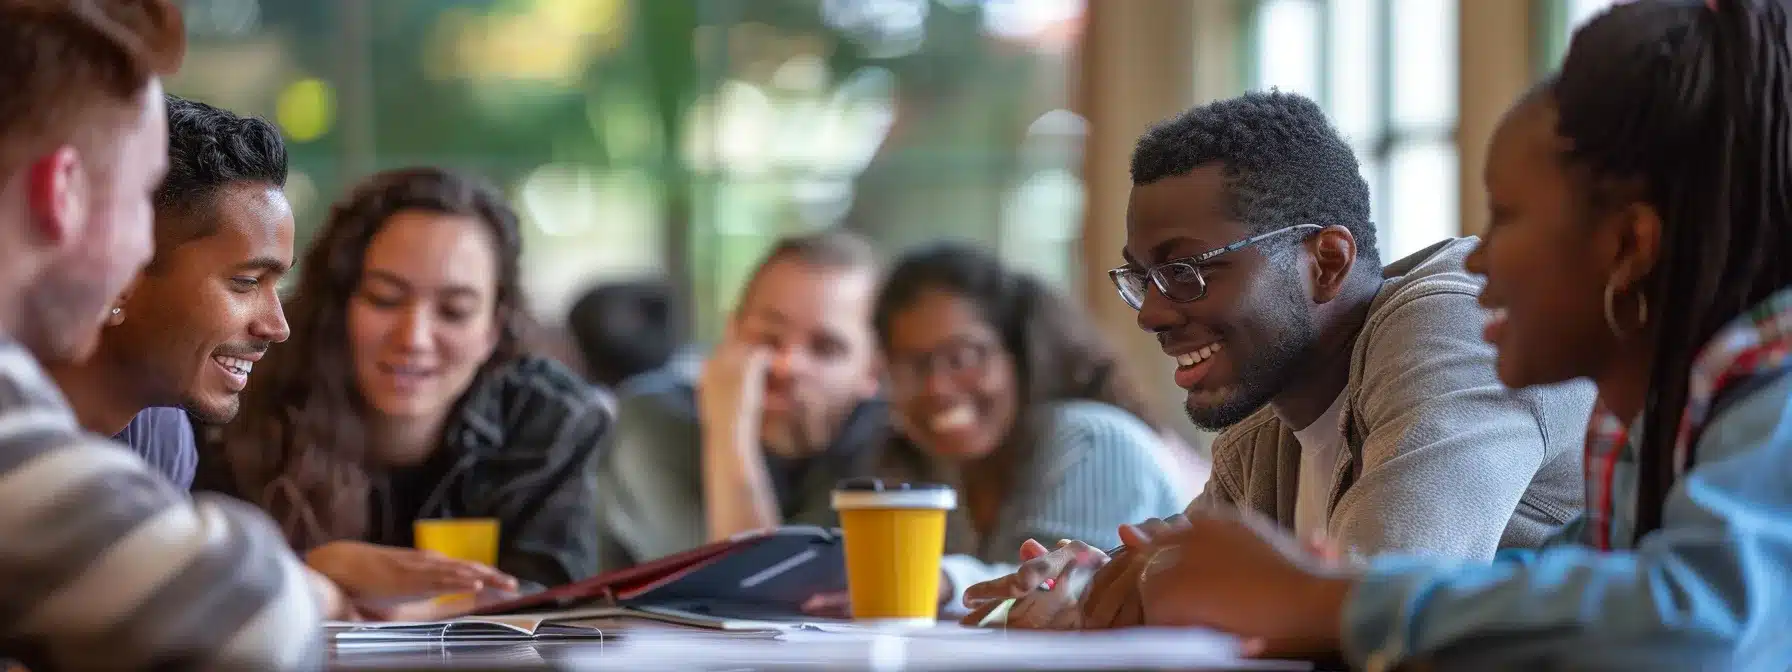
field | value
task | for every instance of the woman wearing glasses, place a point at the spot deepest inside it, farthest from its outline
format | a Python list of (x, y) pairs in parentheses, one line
[(1001, 387)]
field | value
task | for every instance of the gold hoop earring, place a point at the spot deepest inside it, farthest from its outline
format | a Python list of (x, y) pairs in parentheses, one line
[(1611, 311)]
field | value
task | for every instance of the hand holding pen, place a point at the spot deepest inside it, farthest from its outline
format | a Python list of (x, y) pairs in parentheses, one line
[(1043, 571)]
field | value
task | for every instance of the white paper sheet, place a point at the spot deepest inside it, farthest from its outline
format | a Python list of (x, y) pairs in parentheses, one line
[(1127, 649)]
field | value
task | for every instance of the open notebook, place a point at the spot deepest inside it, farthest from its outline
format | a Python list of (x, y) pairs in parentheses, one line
[(481, 628)]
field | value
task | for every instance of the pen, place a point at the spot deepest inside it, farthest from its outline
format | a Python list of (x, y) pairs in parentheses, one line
[(1112, 553)]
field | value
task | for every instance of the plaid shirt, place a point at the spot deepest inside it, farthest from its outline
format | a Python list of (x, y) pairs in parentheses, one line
[(1757, 343)]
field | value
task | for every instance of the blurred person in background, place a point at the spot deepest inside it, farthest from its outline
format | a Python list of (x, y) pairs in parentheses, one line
[(624, 329), (106, 564), (1357, 402), (1641, 237), (1002, 388), (784, 407), (405, 394), (190, 328)]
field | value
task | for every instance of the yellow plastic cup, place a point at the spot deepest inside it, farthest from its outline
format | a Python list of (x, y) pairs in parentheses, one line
[(470, 539), (895, 535)]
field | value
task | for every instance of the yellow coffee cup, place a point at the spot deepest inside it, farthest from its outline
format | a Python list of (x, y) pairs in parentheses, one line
[(470, 539), (895, 535)]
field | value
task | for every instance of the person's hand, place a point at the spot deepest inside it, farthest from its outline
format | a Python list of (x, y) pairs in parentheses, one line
[(1037, 564), (731, 389), (331, 601), (1056, 606), (1112, 600), (1240, 573), (371, 571)]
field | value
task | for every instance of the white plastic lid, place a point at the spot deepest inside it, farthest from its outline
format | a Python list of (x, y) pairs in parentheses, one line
[(870, 493)]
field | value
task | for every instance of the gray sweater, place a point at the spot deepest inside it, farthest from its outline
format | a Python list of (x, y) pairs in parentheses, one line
[(1444, 460)]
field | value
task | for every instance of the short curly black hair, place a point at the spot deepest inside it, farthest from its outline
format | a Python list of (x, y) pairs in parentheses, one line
[(1284, 163), (208, 149)]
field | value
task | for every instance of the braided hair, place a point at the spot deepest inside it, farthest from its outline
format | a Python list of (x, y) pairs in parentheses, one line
[(1687, 106)]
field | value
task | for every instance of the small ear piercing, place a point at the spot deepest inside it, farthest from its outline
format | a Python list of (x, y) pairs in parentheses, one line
[(116, 318), (116, 311)]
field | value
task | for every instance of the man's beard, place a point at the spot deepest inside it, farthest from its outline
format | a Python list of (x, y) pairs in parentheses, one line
[(200, 414), (1277, 366)]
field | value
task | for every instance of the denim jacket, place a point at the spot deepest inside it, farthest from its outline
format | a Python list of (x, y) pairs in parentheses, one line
[(1710, 590)]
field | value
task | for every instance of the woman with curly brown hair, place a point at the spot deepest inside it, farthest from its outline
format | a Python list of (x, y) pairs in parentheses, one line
[(1003, 388), (404, 394)]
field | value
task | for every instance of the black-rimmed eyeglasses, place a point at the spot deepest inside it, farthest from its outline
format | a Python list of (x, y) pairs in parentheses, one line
[(1180, 280)]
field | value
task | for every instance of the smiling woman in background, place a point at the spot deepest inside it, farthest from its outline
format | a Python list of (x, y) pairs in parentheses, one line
[(1002, 387), (404, 395)]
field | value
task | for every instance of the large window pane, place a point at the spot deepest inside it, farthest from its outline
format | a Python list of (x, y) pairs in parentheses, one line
[(1424, 63), (1421, 203), (1288, 39), (1354, 99), (676, 136)]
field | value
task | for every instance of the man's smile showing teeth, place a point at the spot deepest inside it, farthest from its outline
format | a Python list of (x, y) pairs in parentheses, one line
[(1192, 366), (234, 365), (1198, 356), (236, 370)]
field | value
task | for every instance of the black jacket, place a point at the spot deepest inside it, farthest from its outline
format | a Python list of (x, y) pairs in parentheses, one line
[(518, 449)]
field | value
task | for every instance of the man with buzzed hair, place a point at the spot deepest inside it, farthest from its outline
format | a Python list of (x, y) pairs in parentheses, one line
[(105, 564), (1356, 401), (783, 408), (187, 333)]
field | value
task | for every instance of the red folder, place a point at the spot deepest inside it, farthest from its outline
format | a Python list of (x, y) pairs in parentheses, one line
[(773, 567)]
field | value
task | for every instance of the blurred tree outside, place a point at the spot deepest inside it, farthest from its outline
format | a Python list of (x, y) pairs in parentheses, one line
[(675, 136)]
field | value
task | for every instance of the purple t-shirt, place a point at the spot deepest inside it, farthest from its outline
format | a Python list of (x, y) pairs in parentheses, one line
[(163, 437)]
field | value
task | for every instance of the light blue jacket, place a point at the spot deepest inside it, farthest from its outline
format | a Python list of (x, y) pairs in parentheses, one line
[(1710, 590)]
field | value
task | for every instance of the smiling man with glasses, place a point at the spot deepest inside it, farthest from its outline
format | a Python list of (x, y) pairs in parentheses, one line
[(1355, 402)]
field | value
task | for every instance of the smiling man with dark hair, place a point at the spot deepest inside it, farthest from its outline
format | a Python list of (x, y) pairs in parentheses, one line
[(185, 336), (1355, 401)]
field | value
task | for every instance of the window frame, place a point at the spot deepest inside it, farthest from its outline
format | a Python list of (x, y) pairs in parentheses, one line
[(1385, 136)]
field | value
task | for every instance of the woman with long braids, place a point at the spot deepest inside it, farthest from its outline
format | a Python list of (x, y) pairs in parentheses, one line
[(1641, 236), (404, 393)]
